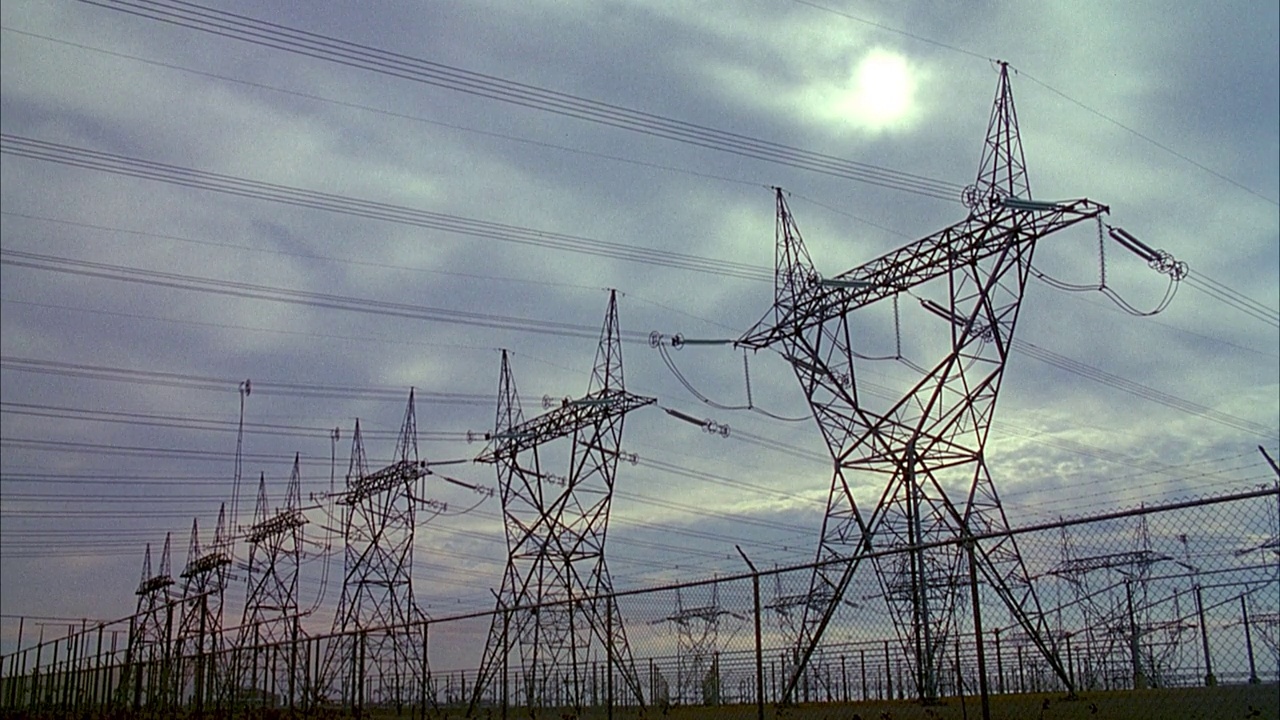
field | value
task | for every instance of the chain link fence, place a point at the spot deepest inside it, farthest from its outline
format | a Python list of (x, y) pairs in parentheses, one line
[(1161, 611)]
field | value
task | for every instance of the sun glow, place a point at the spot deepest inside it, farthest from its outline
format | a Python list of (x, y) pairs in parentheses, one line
[(879, 93)]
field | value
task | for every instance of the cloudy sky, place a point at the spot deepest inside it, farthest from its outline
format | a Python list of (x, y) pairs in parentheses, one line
[(185, 209)]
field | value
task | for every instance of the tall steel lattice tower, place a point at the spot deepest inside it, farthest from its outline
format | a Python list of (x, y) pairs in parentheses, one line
[(927, 445), (145, 677), (204, 578), (267, 646), (556, 612), (377, 605)]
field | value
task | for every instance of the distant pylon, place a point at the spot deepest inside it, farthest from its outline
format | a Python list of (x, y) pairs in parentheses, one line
[(698, 632), (378, 651), (146, 677), (267, 646), (204, 578), (556, 612)]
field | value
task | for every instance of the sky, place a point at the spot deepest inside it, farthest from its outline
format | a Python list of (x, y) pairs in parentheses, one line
[(185, 210)]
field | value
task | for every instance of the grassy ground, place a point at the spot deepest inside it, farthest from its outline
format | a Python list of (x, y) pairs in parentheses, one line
[(1245, 702)]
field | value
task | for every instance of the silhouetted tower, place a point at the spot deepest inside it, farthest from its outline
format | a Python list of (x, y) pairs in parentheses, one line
[(200, 635), (267, 650), (556, 528), (377, 604), (697, 633), (146, 677), (927, 446)]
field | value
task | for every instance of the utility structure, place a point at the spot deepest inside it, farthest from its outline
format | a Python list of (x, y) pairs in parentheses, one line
[(204, 578), (697, 656), (1119, 605), (377, 654), (556, 614), (268, 669), (928, 444), (146, 676)]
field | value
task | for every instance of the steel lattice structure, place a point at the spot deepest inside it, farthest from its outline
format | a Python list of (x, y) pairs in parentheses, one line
[(204, 578), (698, 633), (146, 665), (271, 613), (556, 529), (377, 604), (927, 445)]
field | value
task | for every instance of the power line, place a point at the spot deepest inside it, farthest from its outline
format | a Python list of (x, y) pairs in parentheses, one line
[(189, 423), (1147, 138), (323, 47), (249, 328), (111, 163), (1233, 299), (1139, 390), (383, 112), (306, 256), (214, 286)]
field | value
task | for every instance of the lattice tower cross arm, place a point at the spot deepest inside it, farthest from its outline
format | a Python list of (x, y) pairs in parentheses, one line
[(980, 236)]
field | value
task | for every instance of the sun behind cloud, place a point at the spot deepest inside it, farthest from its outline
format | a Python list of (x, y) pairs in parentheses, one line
[(878, 95)]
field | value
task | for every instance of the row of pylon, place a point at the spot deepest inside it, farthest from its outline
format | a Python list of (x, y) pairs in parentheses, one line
[(927, 445)]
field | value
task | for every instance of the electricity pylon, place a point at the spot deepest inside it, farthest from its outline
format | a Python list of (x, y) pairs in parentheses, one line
[(928, 446), (698, 632), (267, 645), (146, 674), (200, 634), (556, 611), (375, 643)]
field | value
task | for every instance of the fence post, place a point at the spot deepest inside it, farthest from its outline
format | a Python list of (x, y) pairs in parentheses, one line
[(1209, 679), (22, 621), (983, 690), (425, 670), (608, 621), (110, 690), (506, 657), (68, 666), (1248, 641), (293, 664), (307, 690), (82, 666), (755, 595), (359, 703), (999, 661), (888, 671), (844, 679), (862, 653), (1139, 678), (1071, 668)]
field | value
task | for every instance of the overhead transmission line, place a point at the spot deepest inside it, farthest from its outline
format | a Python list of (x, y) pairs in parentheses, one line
[(189, 381), (90, 159), (180, 422), (397, 266), (117, 164), (392, 64), (1090, 372), (1233, 298), (154, 278), (386, 113)]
